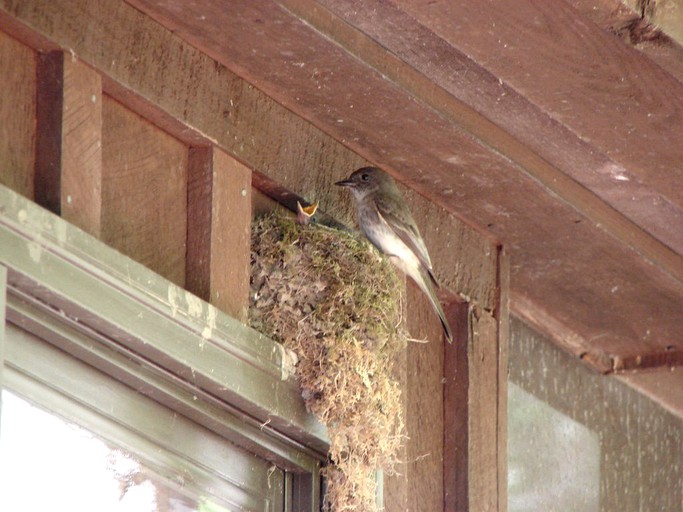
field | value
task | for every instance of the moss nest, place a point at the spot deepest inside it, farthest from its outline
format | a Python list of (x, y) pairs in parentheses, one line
[(332, 299)]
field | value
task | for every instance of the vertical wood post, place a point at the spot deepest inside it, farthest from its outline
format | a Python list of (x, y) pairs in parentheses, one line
[(455, 406), (68, 167), (218, 230), (418, 485), (49, 110), (475, 404), (81, 199)]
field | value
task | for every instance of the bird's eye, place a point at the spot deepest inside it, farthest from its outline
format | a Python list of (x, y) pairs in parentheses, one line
[(365, 177)]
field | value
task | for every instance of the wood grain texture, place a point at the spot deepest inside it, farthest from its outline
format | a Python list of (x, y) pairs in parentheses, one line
[(81, 167), (17, 115), (424, 407), (455, 411), (418, 483), (502, 316), (646, 34), (218, 231), (452, 83), (614, 119), (475, 404), (483, 413), (144, 191)]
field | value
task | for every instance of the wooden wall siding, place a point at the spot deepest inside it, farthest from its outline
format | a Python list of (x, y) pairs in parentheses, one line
[(144, 191), (218, 232), (18, 115)]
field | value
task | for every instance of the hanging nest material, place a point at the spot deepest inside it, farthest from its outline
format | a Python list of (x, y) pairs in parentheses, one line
[(329, 297)]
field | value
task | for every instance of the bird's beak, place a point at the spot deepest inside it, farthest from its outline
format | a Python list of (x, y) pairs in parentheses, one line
[(344, 183)]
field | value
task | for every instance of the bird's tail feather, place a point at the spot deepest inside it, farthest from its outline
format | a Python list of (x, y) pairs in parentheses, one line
[(425, 283)]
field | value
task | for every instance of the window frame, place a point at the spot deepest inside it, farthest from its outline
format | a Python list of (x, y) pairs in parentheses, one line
[(119, 317)]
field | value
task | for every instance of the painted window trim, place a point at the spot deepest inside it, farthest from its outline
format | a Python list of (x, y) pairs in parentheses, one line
[(183, 455), (118, 316)]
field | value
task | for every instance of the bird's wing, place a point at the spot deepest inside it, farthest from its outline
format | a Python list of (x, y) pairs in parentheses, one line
[(404, 226)]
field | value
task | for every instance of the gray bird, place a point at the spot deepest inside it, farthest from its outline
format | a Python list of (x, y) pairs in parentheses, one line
[(385, 219)]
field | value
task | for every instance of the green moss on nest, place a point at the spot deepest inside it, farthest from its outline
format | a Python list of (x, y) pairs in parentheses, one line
[(333, 300)]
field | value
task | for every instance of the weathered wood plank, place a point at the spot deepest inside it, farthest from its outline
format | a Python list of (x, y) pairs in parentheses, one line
[(424, 413), (456, 415), (81, 166), (418, 484), (502, 316), (463, 90), (218, 232), (475, 404), (68, 167), (17, 115), (483, 359), (552, 64), (144, 191)]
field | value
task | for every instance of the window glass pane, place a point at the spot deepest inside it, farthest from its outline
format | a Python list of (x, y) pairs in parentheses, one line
[(554, 461), (47, 463)]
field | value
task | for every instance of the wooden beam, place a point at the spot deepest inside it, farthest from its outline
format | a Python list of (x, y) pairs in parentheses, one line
[(456, 418), (199, 101), (668, 359), (475, 404), (498, 115), (49, 111), (17, 115), (218, 230), (68, 170), (637, 26), (502, 316), (81, 167), (418, 484), (483, 413)]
